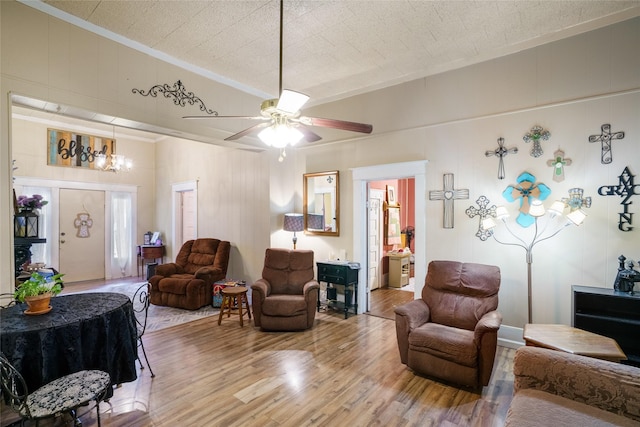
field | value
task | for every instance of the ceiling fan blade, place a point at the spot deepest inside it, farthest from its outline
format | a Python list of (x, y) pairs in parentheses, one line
[(291, 101), (227, 117), (248, 131), (309, 135), (336, 124)]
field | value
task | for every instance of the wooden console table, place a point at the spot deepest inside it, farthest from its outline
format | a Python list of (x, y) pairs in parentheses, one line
[(572, 340), (149, 252), (344, 274)]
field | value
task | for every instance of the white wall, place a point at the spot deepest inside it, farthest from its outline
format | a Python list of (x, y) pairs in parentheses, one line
[(571, 88)]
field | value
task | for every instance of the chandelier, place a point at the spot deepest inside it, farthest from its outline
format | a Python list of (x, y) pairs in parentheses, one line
[(113, 163)]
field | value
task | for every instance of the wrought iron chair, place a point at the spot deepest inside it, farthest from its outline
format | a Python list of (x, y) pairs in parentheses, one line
[(7, 300), (141, 309), (64, 395)]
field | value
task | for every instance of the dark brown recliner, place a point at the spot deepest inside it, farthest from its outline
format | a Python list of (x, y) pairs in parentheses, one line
[(451, 333), (286, 297), (188, 282)]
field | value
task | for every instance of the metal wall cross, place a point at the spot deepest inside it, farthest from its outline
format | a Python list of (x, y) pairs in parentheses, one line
[(448, 195), (500, 153), (558, 163), (482, 213), (536, 134), (605, 138)]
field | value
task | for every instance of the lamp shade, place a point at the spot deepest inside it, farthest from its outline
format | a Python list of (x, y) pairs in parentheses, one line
[(315, 221), (577, 217), (536, 208), (293, 222), (502, 213)]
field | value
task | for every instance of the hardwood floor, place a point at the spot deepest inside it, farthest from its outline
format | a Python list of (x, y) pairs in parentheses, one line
[(339, 373)]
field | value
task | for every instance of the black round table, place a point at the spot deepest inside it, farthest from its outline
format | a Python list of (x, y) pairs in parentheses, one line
[(94, 330)]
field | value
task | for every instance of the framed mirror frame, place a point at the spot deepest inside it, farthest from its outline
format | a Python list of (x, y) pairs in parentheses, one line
[(321, 203)]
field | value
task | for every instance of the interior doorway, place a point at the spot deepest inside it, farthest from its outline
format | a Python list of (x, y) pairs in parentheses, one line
[(361, 177), (185, 213)]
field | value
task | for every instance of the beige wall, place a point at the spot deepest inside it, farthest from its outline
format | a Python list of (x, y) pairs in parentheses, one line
[(570, 87)]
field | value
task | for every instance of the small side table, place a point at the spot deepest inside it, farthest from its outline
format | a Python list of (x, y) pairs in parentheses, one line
[(149, 252), (231, 297)]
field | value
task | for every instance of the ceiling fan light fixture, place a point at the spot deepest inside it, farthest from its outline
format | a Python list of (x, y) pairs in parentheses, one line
[(291, 101), (280, 135)]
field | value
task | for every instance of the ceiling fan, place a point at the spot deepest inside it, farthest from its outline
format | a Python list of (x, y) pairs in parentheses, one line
[(281, 121)]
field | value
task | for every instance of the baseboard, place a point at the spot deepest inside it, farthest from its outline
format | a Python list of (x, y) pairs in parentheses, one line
[(510, 337)]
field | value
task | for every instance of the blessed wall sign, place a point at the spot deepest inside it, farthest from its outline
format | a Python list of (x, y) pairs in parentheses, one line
[(70, 149)]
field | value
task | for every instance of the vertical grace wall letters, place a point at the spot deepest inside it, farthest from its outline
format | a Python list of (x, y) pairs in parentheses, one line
[(626, 188)]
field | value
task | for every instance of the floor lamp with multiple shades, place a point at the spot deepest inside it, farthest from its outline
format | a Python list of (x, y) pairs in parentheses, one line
[(294, 222), (540, 234)]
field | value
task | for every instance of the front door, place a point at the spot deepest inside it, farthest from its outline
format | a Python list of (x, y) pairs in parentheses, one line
[(82, 230)]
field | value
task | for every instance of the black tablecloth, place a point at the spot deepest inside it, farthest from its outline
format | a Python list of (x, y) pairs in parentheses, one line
[(82, 331)]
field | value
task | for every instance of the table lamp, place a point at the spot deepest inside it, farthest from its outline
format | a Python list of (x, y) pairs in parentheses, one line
[(294, 222)]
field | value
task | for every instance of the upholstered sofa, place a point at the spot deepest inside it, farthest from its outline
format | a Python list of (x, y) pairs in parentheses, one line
[(188, 282), (554, 388)]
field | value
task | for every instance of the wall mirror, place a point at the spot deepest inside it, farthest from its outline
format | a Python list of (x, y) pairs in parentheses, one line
[(321, 202)]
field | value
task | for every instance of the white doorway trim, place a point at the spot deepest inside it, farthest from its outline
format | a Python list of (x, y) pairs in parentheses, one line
[(176, 212), (56, 185), (361, 176)]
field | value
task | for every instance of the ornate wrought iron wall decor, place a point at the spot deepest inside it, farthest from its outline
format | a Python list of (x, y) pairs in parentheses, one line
[(576, 200), (524, 190), (626, 188), (605, 138), (482, 213), (536, 134), (448, 195), (179, 95), (500, 153), (558, 163)]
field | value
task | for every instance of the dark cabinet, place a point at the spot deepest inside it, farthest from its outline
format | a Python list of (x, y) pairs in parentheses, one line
[(610, 313), (342, 274)]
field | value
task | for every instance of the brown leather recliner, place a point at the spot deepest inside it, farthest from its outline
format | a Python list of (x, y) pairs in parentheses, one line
[(286, 297), (188, 282), (451, 333)]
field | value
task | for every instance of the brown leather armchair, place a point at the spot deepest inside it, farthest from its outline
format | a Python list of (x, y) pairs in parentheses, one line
[(451, 333), (286, 297), (188, 282)]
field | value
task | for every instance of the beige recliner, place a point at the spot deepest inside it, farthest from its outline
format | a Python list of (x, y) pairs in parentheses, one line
[(285, 298), (451, 333)]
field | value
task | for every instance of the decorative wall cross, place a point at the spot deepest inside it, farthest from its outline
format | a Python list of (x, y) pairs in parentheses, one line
[(576, 200), (500, 153), (482, 213), (524, 191), (536, 134), (83, 223), (448, 195), (626, 188), (605, 138), (558, 163)]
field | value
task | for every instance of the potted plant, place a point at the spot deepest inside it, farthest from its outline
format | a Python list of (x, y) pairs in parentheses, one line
[(37, 292)]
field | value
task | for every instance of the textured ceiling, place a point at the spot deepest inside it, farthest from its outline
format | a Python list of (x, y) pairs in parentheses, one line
[(334, 49)]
